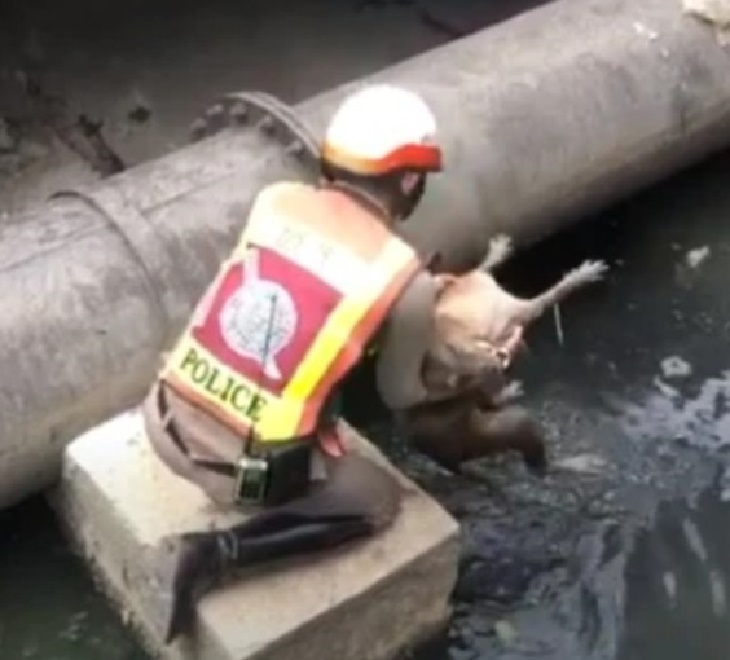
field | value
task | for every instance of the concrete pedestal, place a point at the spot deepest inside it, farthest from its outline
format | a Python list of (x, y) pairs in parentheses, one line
[(368, 601)]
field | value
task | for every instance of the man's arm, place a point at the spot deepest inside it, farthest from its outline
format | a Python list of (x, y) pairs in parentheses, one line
[(407, 336)]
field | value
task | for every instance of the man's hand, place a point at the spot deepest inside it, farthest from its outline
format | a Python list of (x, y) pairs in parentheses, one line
[(507, 352), (443, 280)]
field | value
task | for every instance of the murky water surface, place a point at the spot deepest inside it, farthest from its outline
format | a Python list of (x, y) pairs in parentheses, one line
[(623, 551)]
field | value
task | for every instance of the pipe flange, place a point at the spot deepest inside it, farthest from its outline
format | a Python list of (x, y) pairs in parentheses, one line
[(264, 113)]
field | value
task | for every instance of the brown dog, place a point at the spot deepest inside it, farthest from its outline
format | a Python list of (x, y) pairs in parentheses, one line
[(476, 319), (479, 328)]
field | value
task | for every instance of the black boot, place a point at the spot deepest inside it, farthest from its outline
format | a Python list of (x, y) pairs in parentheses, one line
[(205, 559), (200, 561)]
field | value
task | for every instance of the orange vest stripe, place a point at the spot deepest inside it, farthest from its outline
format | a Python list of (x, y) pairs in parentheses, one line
[(346, 319), (365, 329), (328, 361)]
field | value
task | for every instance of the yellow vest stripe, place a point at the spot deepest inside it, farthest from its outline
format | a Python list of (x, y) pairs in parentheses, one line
[(344, 319), (279, 417)]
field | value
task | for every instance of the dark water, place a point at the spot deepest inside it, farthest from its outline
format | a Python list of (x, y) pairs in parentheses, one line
[(628, 561), (622, 553)]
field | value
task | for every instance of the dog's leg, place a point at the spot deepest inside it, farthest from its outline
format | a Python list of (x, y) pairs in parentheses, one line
[(500, 249), (587, 273)]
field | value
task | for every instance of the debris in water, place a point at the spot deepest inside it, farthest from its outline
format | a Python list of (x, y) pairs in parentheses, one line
[(558, 324), (687, 270), (582, 463), (725, 485), (717, 589), (694, 539), (669, 580), (695, 257), (665, 389), (675, 367), (505, 631)]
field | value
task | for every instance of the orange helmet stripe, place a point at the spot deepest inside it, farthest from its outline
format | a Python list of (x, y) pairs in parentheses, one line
[(421, 157)]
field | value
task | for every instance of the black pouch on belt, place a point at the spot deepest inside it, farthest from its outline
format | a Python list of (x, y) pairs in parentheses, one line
[(288, 468), (268, 473)]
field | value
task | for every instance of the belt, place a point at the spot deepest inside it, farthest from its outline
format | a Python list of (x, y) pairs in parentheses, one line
[(327, 436), (275, 476), (170, 427)]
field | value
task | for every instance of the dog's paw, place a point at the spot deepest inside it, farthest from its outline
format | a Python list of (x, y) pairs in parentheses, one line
[(588, 272)]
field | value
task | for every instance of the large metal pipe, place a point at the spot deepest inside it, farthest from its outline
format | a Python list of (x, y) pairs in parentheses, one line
[(544, 117)]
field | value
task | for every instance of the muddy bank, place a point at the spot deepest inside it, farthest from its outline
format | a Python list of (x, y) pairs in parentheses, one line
[(145, 69)]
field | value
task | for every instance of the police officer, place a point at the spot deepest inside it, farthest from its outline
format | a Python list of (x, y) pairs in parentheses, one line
[(246, 404)]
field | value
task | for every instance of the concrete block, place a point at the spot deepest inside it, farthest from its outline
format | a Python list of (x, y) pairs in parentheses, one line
[(369, 601)]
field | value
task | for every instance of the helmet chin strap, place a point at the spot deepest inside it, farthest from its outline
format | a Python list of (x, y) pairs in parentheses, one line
[(407, 202)]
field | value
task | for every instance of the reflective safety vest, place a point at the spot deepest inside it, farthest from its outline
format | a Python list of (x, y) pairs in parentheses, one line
[(290, 312)]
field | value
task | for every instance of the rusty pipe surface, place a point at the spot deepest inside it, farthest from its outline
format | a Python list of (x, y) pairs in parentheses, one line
[(544, 117)]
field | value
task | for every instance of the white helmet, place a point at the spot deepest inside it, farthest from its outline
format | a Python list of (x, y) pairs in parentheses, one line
[(382, 129)]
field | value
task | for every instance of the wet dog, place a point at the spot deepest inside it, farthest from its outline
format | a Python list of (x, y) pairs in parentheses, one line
[(479, 331)]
